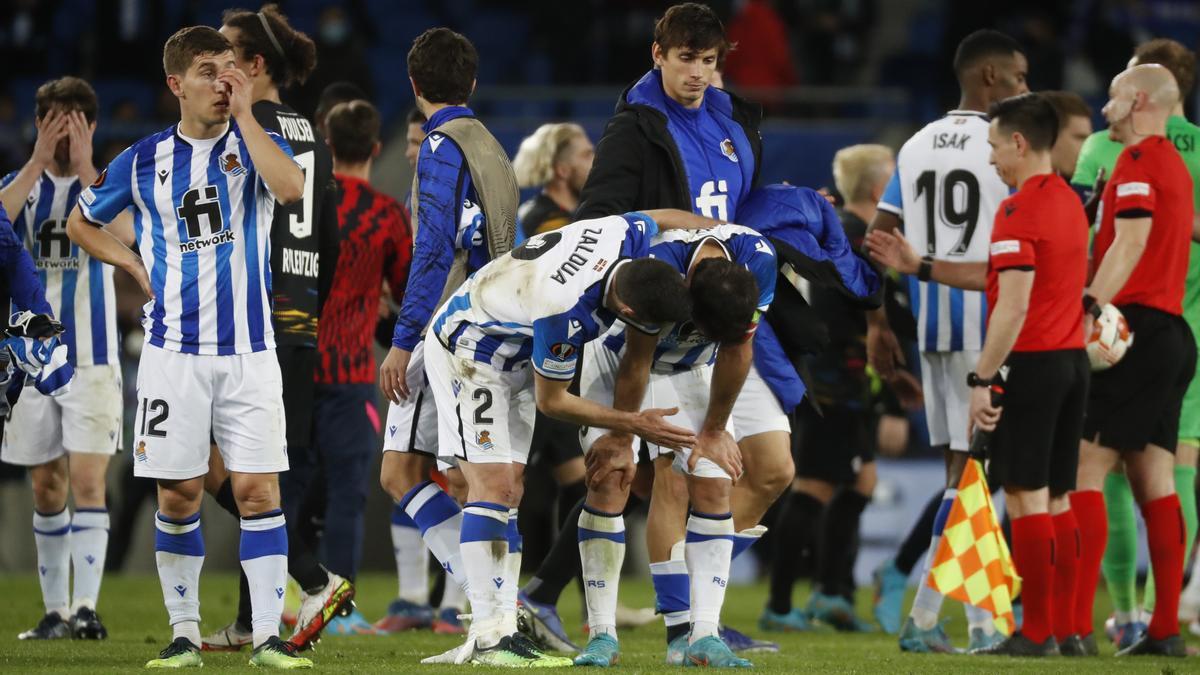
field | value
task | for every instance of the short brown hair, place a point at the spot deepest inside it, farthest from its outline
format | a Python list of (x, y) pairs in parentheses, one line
[(691, 26), (443, 64), (1173, 56), (1067, 104), (68, 93), (187, 43), (289, 54), (353, 128)]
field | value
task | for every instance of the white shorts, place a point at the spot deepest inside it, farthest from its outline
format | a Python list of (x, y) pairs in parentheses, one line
[(182, 397), (947, 401), (757, 410), (485, 416), (86, 418), (687, 390), (412, 423)]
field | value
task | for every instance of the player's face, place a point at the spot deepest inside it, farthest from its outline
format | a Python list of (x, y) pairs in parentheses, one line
[(1005, 154), (200, 94), (686, 73), (578, 162), (1070, 139), (413, 140), (1118, 111), (62, 151), (1010, 76)]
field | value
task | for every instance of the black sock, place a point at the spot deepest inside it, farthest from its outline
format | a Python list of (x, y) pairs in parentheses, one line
[(796, 529), (839, 529), (917, 542), (439, 585), (561, 564), (245, 613), (677, 630), (303, 565)]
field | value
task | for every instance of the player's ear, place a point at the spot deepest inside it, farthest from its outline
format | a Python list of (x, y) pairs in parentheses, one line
[(657, 55), (173, 83), (415, 88), (375, 149), (988, 73)]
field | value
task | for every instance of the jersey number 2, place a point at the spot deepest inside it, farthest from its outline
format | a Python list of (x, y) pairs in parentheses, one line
[(958, 207)]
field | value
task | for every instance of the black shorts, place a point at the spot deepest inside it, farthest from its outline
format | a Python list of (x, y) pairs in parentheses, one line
[(554, 443), (298, 365), (832, 447), (1138, 401), (1036, 441)]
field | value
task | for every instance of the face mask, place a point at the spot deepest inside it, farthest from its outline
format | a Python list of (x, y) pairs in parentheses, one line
[(334, 32)]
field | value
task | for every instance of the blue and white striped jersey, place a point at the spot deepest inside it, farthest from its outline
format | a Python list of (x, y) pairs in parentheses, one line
[(683, 347), (78, 287), (543, 300), (947, 193), (202, 218)]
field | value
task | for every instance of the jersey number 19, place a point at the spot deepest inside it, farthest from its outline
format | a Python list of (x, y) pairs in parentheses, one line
[(958, 207)]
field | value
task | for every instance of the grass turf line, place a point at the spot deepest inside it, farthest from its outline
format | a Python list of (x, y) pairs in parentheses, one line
[(131, 607)]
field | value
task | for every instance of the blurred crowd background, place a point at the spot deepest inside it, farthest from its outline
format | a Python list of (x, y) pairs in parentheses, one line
[(829, 73)]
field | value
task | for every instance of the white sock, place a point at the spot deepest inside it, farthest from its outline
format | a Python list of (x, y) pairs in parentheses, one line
[(412, 558), (263, 552), (506, 596), (928, 603), (484, 547), (601, 552), (454, 596), (980, 618), (708, 551), (179, 553), (440, 520), (52, 536), (89, 543), (1192, 591)]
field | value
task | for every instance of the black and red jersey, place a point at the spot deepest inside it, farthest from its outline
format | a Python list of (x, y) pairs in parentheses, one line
[(375, 246)]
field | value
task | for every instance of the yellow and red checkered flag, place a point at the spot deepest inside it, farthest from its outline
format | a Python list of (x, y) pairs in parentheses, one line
[(973, 563)]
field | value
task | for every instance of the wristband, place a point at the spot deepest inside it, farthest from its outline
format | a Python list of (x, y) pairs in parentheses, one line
[(974, 380), (1090, 306), (925, 269)]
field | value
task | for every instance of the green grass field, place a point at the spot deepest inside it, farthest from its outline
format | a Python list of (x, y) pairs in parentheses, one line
[(133, 612)]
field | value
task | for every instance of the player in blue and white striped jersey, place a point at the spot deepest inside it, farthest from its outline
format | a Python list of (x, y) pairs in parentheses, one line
[(698, 367), (538, 306), (202, 194), (67, 439), (943, 196)]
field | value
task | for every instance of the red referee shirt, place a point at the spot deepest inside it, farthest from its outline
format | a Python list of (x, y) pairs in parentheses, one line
[(1043, 228), (1151, 180), (376, 246)]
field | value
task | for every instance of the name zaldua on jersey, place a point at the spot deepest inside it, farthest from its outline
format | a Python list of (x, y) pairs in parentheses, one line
[(202, 219), (946, 193), (79, 288), (543, 300)]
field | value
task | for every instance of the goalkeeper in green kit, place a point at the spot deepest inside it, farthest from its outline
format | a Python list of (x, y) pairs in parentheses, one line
[(1096, 161)]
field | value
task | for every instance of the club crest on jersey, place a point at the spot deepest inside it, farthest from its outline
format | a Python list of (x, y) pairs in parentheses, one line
[(484, 440), (139, 453), (728, 151), (232, 165), (563, 350)]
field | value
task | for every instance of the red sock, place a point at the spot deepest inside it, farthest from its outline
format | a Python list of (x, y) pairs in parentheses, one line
[(1066, 570), (1033, 553), (1088, 506), (1165, 535)]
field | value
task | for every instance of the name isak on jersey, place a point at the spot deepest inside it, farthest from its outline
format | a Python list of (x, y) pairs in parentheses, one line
[(576, 261), (953, 141)]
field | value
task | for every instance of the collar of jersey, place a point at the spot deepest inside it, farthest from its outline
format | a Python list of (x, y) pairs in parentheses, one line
[(967, 113), (203, 142), (446, 114)]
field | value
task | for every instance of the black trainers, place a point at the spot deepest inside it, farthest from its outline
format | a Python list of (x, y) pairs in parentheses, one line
[(86, 625), (1074, 645), (181, 653), (1147, 646), (1019, 645), (51, 627)]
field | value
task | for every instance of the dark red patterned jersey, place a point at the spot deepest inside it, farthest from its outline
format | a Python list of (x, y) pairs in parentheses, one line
[(375, 246)]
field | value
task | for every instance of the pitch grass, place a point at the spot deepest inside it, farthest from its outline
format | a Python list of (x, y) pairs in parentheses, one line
[(132, 609)]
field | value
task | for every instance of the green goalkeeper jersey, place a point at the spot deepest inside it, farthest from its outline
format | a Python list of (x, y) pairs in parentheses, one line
[(1100, 152)]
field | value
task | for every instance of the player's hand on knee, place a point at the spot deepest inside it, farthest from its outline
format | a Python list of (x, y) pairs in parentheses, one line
[(610, 459), (719, 448), (393, 375), (653, 428)]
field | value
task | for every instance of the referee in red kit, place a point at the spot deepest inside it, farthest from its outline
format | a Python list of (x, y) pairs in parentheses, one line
[(1034, 278), (1141, 253)]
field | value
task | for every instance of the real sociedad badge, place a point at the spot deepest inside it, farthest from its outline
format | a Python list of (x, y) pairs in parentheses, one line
[(728, 151)]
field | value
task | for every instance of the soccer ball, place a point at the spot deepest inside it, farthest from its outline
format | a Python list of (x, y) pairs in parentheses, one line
[(1110, 339)]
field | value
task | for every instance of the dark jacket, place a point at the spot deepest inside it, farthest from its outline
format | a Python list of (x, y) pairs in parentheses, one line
[(637, 164)]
